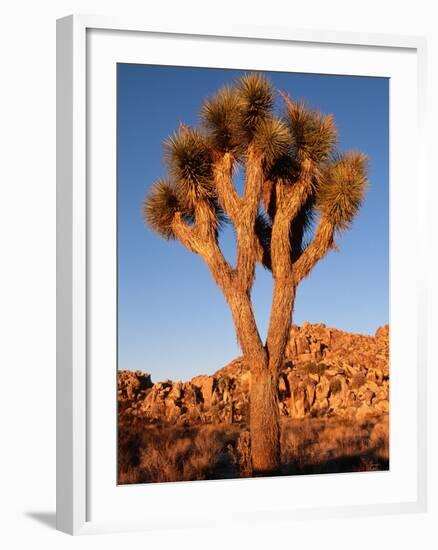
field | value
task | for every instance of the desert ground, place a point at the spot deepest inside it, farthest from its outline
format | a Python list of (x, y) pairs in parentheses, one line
[(334, 404)]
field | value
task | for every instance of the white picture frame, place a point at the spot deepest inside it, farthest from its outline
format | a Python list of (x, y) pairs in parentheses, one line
[(76, 215)]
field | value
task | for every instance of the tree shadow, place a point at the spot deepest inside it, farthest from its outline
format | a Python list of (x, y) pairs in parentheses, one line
[(363, 462), (45, 518)]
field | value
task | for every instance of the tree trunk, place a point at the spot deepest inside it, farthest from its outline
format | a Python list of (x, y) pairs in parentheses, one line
[(280, 322), (264, 410), (264, 402), (264, 421)]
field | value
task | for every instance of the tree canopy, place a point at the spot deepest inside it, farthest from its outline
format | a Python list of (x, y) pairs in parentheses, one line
[(301, 176)]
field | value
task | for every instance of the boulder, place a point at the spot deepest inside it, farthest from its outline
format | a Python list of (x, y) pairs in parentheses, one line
[(205, 385), (382, 406), (326, 372), (298, 404), (322, 389), (365, 410)]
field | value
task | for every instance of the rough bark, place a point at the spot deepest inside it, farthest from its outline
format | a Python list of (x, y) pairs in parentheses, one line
[(247, 241), (264, 408), (227, 194), (322, 242), (245, 324), (280, 322), (264, 420)]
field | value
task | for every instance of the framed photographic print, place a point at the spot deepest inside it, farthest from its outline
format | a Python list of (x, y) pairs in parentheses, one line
[(241, 318)]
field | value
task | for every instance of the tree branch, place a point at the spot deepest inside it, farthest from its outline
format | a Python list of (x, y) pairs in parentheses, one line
[(290, 199), (322, 242), (263, 231), (223, 177), (279, 323), (248, 246), (185, 233), (246, 327), (288, 274), (201, 239)]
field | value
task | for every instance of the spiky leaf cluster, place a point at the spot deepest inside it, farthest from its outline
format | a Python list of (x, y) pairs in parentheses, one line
[(234, 114), (240, 119), (160, 207), (314, 135), (271, 140), (342, 187), (189, 160), (284, 168), (221, 115), (162, 203), (257, 100)]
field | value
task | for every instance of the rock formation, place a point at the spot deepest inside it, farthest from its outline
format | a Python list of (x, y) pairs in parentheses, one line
[(326, 372)]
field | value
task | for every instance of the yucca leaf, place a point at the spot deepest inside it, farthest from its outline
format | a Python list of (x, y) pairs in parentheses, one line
[(271, 139), (285, 167), (160, 206), (341, 188), (221, 115), (314, 135), (256, 95), (189, 159)]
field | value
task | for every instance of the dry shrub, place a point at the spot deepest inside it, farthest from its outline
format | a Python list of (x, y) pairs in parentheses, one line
[(208, 446), (150, 454), (315, 368), (335, 385), (241, 454), (366, 464), (153, 454), (165, 461), (358, 380), (334, 445), (380, 440)]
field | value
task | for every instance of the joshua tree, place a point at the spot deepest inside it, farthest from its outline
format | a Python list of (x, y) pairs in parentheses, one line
[(298, 194)]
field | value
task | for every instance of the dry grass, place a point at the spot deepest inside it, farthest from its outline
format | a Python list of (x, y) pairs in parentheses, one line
[(335, 385), (335, 445), (358, 380), (151, 454), (315, 368)]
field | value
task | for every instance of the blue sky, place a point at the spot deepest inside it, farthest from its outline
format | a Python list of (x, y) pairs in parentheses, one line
[(172, 320)]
